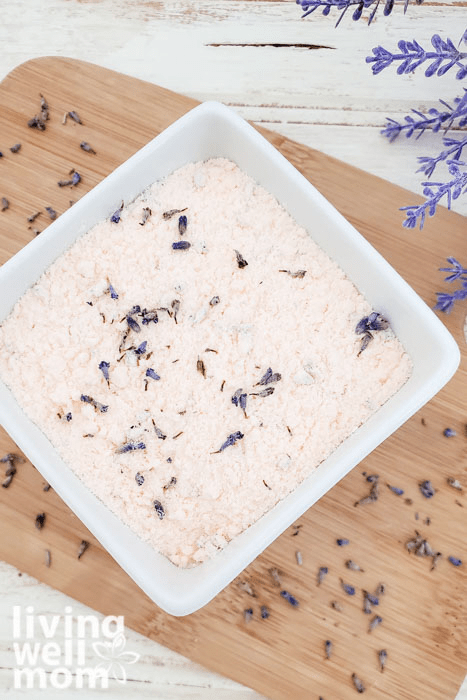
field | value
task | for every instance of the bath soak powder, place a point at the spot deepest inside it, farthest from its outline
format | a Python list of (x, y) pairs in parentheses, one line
[(195, 357)]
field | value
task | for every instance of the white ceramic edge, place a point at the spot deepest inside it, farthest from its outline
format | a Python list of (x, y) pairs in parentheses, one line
[(244, 548)]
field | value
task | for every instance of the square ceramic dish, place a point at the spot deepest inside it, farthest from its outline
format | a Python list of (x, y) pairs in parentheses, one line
[(213, 130)]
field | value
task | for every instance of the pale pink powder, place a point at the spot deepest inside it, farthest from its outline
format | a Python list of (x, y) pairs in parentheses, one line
[(53, 341)]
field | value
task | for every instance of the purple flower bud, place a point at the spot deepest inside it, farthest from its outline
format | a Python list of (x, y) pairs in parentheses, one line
[(181, 245), (290, 598)]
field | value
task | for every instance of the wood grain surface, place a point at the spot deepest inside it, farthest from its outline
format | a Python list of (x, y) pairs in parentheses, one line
[(424, 612)]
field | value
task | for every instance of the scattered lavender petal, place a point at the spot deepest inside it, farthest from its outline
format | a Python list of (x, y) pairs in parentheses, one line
[(96, 404), (104, 368), (113, 293), (69, 416), (182, 224), (299, 558), (130, 447), (82, 548), (352, 565), (133, 325), (342, 542), (159, 509), (241, 262), (214, 301), (146, 214), (426, 488), (372, 599), (47, 558), (264, 392), (375, 622), (247, 588), (141, 349), (264, 612), (168, 214), (74, 115), (15, 148), (328, 648), (449, 432), (231, 440), (300, 274), (159, 432), (181, 245), (86, 147), (322, 573), (269, 377), (172, 482), (382, 658), (359, 686), (139, 478), (350, 590), (275, 576), (36, 123), (51, 212), (33, 216), (200, 366), (40, 521), (454, 561), (396, 490), (152, 374), (454, 483), (337, 606), (248, 614), (290, 598)]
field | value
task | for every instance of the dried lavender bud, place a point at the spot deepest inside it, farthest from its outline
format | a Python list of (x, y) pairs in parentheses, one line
[(201, 368), (149, 317), (353, 566), (449, 432), (455, 561), (248, 614), (373, 322), (172, 482), (115, 218), (181, 245), (290, 599), (159, 432), (367, 609), (350, 590), (236, 397), (133, 325), (40, 521), (337, 606), (168, 214), (265, 392), (231, 440), (47, 558), (82, 548), (73, 115), (382, 658), (269, 377), (7, 481), (159, 509), (371, 478), (241, 262), (44, 108), (328, 648), (380, 589), (264, 612), (247, 588), (139, 478), (275, 576), (76, 177), (359, 687), (10, 470), (130, 447), (374, 491), (175, 305), (146, 214), (51, 212), (322, 573), (300, 274), (96, 404), (5, 204), (141, 349), (182, 224), (372, 599), (152, 374), (15, 148), (112, 292), (396, 490), (366, 340), (104, 368), (342, 542), (436, 558), (33, 216), (375, 622), (299, 558), (215, 300), (426, 488), (86, 147), (454, 483), (36, 123)]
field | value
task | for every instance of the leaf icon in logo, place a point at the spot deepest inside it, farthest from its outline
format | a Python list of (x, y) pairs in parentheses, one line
[(114, 657)]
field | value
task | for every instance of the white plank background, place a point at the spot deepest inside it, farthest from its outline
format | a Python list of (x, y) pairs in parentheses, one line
[(325, 97)]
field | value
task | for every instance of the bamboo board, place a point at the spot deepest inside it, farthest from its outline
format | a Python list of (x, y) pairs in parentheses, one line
[(424, 627)]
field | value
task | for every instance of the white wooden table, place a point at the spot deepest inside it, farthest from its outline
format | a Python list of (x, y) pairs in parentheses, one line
[(324, 96)]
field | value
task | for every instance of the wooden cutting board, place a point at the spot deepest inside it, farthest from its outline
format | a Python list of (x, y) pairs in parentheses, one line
[(424, 628)]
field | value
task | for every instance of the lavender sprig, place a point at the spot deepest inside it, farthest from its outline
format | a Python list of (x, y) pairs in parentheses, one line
[(453, 151), (310, 6), (433, 120), (434, 192), (445, 300), (412, 55)]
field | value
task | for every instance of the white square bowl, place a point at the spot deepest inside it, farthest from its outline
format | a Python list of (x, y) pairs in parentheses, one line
[(213, 130)]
